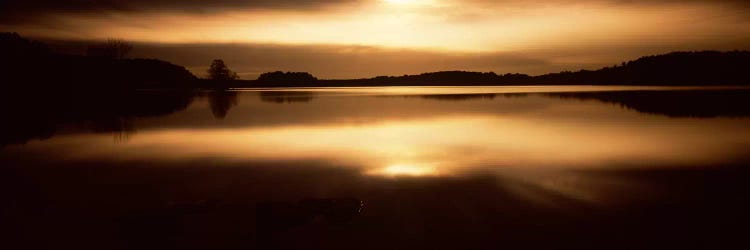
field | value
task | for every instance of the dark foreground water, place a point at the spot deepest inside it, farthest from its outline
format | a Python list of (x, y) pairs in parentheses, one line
[(378, 168)]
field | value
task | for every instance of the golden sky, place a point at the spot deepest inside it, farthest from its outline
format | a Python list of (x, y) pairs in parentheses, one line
[(564, 34)]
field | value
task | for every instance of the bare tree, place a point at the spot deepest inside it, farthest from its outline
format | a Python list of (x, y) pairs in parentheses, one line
[(121, 47), (113, 48)]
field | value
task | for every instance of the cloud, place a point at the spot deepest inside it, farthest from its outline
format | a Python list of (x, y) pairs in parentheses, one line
[(344, 62), (622, 2), (13, 11), (197, 5), (350, 38), (337, 62), (17, 8)]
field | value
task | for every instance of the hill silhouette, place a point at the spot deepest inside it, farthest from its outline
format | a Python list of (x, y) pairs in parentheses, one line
[(29, 65), (279, 77), (676, 68), (41, 91)]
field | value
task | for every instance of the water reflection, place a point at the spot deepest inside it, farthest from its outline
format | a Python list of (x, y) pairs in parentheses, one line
[(286, 96), (426, 136), (465, 97), (707, 103), (116, 113), (440, 170), (221, 101), (41, 115), (458, 97)]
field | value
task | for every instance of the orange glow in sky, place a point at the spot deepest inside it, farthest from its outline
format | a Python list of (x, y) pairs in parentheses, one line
[(366, 38), (422, 24)]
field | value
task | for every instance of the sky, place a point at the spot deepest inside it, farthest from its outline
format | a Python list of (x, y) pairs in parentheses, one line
[(365, 38)]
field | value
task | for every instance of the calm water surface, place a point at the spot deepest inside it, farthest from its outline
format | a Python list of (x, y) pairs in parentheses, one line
[(523, 167)]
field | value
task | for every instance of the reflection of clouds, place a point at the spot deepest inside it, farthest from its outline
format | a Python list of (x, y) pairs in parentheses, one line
[(555, 188), (455, 145)]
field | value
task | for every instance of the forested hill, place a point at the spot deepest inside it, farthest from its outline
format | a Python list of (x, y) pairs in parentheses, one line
[(29, 65), (677, 68)]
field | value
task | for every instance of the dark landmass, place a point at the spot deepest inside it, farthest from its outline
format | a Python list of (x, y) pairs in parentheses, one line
[(30, 66), (41, 92), (673, 69), (279, 77)]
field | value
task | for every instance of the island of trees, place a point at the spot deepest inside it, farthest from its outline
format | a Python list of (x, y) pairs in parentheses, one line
[(676, 68)]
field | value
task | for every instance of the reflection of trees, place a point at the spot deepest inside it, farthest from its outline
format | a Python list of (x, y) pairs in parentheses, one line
[(221, 101), (464, 97), (120, 127), (458, 97), (39, 115), (687, 103), (286, 96)]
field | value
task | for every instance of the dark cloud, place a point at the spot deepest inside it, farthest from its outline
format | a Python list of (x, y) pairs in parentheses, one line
[(25, 10), (325, 61), (200, 5), (740, 5), (649, 2), (337, 62), (340, 61), (22, 11), (31, 7)]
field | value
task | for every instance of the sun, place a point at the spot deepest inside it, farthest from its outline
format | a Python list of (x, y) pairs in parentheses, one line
[(412, 170)]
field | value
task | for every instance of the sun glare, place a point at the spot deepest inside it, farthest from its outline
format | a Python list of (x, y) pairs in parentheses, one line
[(408, 2), (405, 170), (398, 1)]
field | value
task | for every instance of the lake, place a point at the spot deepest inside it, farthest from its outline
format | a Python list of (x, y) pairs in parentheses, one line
[(374, 168)]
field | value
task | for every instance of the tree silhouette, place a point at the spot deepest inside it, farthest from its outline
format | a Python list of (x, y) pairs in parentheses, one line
[(112, 48), (220, 71)]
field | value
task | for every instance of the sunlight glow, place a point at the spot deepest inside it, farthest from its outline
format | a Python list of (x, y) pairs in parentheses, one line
[(379, 137), (405, 170), (407, 2), (430, 25)]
